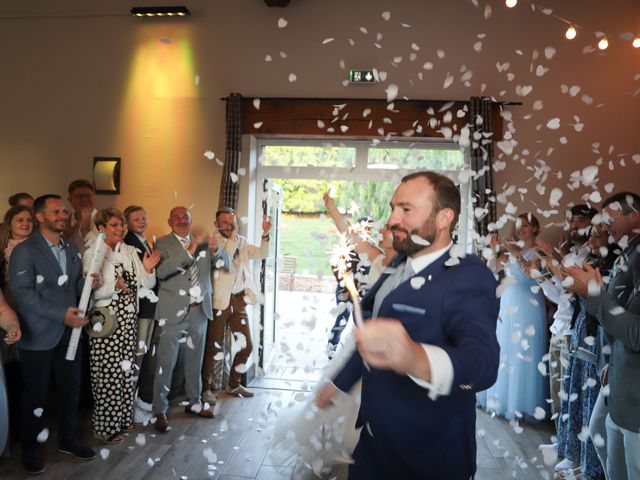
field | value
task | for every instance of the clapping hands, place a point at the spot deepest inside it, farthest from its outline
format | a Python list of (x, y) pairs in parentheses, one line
[(150, 261)]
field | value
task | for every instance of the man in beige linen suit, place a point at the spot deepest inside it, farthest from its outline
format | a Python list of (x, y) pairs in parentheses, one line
[(184, 306), (233, 291)]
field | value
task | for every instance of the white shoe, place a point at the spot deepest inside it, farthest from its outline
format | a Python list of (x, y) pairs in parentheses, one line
[(566, 464)]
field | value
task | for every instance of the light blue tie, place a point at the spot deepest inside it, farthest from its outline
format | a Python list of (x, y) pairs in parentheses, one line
[(408, 272)]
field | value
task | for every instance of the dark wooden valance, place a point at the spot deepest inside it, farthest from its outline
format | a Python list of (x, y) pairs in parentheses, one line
[(345, 117)]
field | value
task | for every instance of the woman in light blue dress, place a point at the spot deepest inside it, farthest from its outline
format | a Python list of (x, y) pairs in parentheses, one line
[(520, 390)]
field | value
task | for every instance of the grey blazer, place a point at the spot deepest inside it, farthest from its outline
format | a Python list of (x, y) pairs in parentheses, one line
[(173, 274), (623, 329), (41, 302)]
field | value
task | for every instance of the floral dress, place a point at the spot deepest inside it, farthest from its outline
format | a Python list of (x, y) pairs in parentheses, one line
[(580, 387)]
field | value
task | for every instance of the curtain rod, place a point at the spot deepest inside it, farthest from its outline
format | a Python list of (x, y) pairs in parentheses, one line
[(506, 103)]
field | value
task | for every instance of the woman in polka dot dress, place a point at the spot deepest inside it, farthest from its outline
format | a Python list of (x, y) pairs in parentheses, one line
[(111, 358)]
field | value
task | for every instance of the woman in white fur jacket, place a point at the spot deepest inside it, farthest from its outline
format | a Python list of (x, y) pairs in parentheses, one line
[(124, 278)]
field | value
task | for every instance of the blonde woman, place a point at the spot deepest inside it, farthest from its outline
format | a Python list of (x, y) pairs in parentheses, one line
[(112, 357)]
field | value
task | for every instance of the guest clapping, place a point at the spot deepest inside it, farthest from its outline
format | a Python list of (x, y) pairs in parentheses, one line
[(112, 348)]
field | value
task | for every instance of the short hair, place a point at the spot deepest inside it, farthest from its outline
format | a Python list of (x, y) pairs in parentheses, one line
[(582, 210), (14, 199), (223, 210), (531, 218), (40, 203), (130, 209), (447, 194), (81, 183), (629, 202), (103, 216)]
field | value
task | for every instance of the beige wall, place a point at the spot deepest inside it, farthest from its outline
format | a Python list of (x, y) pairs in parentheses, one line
[(76, 87)]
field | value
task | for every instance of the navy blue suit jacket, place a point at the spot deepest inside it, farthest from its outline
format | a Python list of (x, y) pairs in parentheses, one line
[(415, 437), (41, 302), (146, 309)]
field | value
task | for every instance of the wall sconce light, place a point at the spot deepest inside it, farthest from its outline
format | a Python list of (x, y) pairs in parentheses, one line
[(177, 11), (106, 175)]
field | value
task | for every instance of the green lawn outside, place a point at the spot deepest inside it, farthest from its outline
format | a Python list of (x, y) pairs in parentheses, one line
[(309, 238)]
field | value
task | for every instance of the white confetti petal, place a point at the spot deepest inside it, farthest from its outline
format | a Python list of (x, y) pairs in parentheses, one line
[(539, 413), (292, 77), (417, 282), (104, 453), (43, 435), (553, 124), (555, 196), (386, 16), (392, 92), (38, 412), (447, 81), (282, 22), (62, 279)]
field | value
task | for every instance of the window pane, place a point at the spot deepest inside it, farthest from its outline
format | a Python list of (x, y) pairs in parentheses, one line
[(308, 156), (308, 233), (415, 158)]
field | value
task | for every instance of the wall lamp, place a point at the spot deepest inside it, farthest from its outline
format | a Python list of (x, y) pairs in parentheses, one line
[(178, 11)]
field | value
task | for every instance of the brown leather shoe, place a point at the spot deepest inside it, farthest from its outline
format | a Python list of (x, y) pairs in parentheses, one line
[(199, 410), (162, 424)]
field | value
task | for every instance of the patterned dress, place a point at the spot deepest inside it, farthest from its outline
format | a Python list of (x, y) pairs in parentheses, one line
[(111, 360), (580, 388)]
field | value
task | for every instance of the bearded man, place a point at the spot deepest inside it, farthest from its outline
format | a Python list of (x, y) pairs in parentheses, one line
[(233, 291), (428, 347)]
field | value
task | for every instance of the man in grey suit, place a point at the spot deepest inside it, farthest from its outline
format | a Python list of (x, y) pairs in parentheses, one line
[(618, 311), (184, 306), (46, 279)]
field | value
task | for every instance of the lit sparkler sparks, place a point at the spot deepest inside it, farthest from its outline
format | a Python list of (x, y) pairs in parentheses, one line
[(342, 259)]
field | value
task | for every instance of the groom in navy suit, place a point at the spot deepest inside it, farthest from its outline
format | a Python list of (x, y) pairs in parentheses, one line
[(429, 346), (46, 279)]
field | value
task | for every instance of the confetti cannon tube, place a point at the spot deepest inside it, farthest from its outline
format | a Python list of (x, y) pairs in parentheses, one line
[(97, 255)]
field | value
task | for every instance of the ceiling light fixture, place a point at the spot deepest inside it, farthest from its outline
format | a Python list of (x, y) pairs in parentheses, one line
[(177, 11)]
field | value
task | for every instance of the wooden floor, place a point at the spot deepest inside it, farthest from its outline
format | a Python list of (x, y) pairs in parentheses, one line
[(237, 443)]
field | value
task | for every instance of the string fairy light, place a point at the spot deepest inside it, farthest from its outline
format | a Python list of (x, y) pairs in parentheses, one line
[(603, 43), (571, 32), (572, 28)]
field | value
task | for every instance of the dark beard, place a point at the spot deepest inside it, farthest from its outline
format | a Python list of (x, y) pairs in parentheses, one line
[(407, 246)]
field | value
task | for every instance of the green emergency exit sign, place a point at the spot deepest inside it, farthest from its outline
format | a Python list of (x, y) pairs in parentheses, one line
[(362, 76)]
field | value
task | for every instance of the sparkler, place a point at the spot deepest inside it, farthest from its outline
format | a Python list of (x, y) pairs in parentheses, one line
[(341, 259)]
